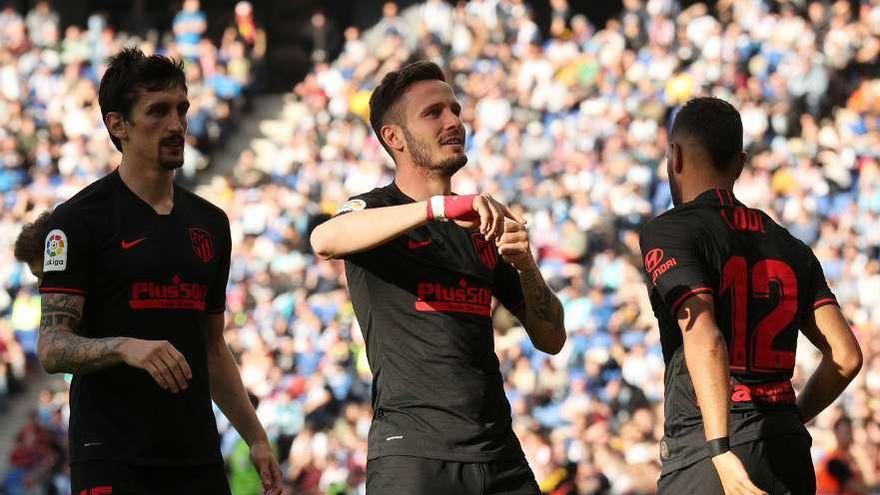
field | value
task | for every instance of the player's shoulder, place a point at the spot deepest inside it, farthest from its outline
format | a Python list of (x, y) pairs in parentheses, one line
[(96, 193), (781, 234), (88, 206), (376, 197), (201, 206), (681, 220)]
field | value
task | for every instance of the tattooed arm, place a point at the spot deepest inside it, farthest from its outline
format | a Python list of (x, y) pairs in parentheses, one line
[(61, 350), (542, 314)]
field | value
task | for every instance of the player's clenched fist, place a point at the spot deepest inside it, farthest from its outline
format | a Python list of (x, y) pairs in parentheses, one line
[(160, 359), (472, 211), (513, 246)]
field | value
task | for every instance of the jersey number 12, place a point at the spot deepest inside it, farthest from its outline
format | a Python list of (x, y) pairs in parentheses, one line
[(751, 349)]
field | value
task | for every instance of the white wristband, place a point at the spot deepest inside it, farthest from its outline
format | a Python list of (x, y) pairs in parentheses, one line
[(438, 209)]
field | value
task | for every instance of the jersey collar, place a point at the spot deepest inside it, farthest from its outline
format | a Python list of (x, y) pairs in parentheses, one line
[(716, 196)]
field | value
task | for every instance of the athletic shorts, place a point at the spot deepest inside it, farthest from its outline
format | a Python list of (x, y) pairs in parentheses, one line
[(779, 465), (407, 475), (110, 478)]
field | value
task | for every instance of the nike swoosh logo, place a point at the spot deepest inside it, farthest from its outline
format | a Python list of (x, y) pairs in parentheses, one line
[(131, 244), (418, 244)]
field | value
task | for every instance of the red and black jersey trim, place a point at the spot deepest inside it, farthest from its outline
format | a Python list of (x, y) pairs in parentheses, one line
[(687, 295), (62, 290), (722, 194), (824, 302)]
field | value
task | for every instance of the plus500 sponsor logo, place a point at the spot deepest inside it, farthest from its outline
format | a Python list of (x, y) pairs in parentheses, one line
[(176, 295), (436, 297)]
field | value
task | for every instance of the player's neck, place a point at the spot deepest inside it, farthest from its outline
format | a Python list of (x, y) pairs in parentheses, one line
[(702, 184), (150, 182), (419, 185)]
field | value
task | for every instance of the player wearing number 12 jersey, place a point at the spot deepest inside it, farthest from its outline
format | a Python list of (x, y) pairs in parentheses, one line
[(731, 289)]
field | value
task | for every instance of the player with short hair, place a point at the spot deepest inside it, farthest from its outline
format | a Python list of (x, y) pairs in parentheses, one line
[(423, 266), (731, 289), (133, 304)]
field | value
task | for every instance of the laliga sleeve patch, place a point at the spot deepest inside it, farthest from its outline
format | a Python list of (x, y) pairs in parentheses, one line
[(55, 255), (352, 205)]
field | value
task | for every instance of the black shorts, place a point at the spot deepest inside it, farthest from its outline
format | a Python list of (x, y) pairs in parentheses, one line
[(407, 475), (110, 478), (779, 465)]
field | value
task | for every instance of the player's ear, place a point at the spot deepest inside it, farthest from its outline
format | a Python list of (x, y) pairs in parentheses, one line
[(392, 135), (677, 157), (115, 123)]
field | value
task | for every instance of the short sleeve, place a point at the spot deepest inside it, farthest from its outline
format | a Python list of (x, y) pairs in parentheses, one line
[(508, 289), (68, 254), (360, 202), (372, 199), (672, 261), (821, 293), (216, 302)]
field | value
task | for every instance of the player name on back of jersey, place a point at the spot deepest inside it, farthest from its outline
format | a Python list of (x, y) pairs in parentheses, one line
[(176, 295), (743, 219)]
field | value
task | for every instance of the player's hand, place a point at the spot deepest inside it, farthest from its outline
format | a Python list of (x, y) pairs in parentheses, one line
[(160, 359), (734, 478), (513, 246), (489, 218), (264, 460)]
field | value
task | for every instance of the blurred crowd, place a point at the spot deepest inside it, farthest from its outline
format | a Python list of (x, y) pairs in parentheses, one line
[(567, 123)]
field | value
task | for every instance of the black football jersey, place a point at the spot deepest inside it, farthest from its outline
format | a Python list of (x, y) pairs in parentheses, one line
[(424, 303), (765, 284), (146, 276)]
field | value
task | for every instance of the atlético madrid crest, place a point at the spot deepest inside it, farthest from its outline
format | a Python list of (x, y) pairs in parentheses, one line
[(485, 250), (202, 244)]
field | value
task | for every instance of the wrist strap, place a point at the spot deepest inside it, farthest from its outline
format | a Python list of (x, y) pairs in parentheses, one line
[(437, 208), (452, 207), (718, 446)]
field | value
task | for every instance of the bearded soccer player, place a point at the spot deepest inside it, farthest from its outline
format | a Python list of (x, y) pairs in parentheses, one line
[(423, 265), (731, 289), (133, 303)]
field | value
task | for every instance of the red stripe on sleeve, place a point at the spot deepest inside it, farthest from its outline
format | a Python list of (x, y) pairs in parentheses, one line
[(825, 301), (66, 290), (687, 295)]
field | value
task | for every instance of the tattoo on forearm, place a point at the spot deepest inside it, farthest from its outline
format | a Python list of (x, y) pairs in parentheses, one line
[(546, 306), (64, 351)]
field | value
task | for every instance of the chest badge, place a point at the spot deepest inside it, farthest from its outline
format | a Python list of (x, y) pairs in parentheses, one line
[(202, 244), (485, 250)]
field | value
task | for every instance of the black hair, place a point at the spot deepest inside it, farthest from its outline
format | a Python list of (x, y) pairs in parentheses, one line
[(128, 73), (716, 126), (393, 86)]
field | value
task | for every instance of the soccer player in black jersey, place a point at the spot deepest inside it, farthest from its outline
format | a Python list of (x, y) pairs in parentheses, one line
[(423, 266), (135, 271), (731, 289)]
